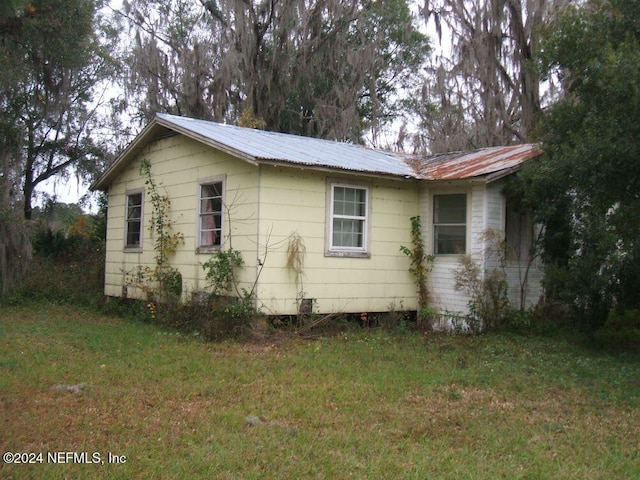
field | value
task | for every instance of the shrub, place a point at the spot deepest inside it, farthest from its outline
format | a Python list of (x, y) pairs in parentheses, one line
[(65, 268), (221, 270), (488, 303), (213, 317), (621, 330)]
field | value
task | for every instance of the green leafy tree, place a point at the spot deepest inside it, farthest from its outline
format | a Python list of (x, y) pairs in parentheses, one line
[(586, 190), (51, 60)]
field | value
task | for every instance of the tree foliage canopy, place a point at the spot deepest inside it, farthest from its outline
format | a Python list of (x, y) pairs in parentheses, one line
[(587, 188), (323, 68), (51, 60)]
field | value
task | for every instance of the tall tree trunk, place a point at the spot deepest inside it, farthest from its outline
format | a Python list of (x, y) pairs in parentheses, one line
[(27, 190)]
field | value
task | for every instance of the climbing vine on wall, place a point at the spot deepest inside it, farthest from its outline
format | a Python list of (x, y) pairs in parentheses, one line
[(420, 262), (166, 242)]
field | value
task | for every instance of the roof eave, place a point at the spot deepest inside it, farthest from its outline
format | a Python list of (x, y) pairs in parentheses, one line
[(334, 170), (476, 179), (131, 150), (492, 177), (147, 134)]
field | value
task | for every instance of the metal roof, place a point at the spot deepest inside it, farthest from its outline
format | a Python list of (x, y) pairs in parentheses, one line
[(477, 163), (267, 146), (259, 146)]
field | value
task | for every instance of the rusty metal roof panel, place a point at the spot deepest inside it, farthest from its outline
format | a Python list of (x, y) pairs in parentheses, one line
[(261, 145), (477, 163)]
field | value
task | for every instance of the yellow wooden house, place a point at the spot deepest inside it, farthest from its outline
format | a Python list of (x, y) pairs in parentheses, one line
[(349, 206)]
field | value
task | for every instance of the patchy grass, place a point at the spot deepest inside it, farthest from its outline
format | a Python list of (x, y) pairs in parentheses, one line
[(357, 405)]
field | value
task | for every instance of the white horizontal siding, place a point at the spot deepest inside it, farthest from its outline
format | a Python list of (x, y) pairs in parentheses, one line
[(525, 283)]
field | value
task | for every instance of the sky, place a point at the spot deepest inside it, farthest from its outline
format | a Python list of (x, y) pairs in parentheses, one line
[(65, 190)]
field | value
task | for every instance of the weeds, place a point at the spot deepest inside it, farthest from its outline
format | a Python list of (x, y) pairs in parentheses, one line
[(487, 290)]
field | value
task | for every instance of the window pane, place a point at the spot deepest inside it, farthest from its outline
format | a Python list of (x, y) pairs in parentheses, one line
[(450, 239), (360, 202), (211, 190), (210, 238), (134, 213), (134, 199), (450, 208), (349, 201), (348, 233), (134, 220), (210, 221), (211, 205)]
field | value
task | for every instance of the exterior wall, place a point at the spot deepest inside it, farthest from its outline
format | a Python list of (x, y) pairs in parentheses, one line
[(266, 205), (441, 284), (485, 233), (295, 201), (177, 163), (525, 282), (524, 277)]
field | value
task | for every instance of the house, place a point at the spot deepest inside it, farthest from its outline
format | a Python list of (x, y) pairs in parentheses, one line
[(348, 205)]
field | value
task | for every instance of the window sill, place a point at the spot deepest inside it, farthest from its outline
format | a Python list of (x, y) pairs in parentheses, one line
[(207, 250), (347, 254), (132, 250), (449, 257)]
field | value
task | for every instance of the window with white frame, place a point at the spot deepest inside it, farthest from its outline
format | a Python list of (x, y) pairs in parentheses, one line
[(210, 215), (348, 222), (450, 224), (133, 223)]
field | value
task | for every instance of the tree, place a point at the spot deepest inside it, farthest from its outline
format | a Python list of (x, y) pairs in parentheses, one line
[(323, 68), (486, 91), (51, 61), (586, 190)]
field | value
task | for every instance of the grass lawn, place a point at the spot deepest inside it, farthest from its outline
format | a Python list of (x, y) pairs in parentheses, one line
[(363, 404)]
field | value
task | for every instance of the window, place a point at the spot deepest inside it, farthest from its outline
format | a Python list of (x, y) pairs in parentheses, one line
[(518, 234), (210, 215), (450, 224), (348, 219), (133, 228)]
